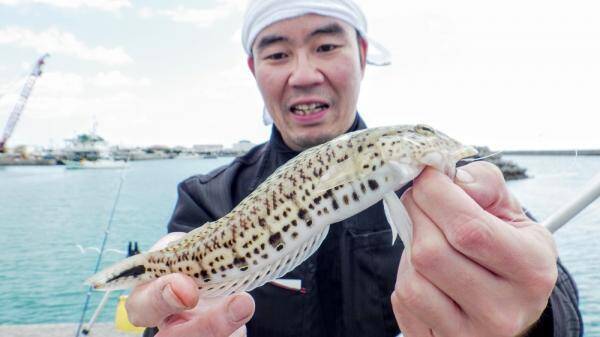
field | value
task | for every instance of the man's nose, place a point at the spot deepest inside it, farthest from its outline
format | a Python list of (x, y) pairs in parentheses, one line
[(305, 73)]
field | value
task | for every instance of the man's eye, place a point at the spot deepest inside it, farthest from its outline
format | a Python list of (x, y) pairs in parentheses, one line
[(276, 56), (326, 47)]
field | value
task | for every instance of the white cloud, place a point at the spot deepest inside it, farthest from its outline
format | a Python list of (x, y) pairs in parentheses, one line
[(56, 83), (200, 17), (240, 5), (146, 12), (59, 84), (55, 41), (70, 102), (236, 37), (509, 76), (116, 78), (105, 5), (57, 91)]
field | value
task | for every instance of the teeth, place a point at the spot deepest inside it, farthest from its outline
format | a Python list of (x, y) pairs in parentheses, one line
[(306, 109), (307, 106)]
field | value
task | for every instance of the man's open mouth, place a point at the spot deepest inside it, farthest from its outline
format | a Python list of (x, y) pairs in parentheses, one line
[(308, 109)]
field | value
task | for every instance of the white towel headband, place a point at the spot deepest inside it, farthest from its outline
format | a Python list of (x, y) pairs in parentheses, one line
[(262, 13)]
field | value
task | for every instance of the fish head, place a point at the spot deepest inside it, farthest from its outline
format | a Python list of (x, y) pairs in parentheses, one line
[(423, 145)]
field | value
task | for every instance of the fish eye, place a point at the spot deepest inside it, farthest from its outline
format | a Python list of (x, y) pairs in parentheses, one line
[(424, 130)]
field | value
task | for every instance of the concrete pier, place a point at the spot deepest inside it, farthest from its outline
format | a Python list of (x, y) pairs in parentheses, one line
[(61, 330)]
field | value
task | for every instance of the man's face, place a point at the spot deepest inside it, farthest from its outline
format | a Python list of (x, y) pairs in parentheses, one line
[(308, 70)]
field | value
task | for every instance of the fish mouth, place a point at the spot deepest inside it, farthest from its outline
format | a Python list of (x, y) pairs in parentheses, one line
[(466, 152), (308, 108)]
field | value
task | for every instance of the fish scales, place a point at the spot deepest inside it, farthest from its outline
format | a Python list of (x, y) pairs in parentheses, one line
[(285, 219)]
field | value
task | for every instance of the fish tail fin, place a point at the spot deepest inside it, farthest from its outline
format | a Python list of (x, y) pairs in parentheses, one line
[(129, 272)]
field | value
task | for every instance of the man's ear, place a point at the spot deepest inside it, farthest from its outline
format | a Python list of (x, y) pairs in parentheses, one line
[(363, 47), (250, 62)]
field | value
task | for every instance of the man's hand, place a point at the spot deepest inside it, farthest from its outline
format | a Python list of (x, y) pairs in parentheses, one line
[(478, 266), (172, 304)]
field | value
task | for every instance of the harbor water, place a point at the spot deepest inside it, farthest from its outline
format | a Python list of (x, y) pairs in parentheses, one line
[(52, 222)]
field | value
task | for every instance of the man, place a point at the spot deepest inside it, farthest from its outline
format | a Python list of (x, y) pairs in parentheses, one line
[(478, 265)]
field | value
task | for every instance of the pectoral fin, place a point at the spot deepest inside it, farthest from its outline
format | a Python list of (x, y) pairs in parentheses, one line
[(406, 172), (398, 218), (337, 175), (388, 216)]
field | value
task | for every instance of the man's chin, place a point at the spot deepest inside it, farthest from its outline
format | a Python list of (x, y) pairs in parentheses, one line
[(306, 142)]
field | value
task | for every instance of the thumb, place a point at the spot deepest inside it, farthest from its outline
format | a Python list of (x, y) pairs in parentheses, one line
[(484, 183), (228, 316), (149, 304), (222, 319)]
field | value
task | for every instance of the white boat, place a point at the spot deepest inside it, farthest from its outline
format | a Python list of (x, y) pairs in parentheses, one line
[(95, 164), (90, 151)]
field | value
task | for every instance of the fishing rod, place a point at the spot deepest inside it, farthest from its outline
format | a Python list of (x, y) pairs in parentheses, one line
[(102, 249), (87, 328), (132, 250), (571, 209)]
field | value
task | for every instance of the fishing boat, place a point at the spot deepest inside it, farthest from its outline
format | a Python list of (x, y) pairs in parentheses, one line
[(90, 151)]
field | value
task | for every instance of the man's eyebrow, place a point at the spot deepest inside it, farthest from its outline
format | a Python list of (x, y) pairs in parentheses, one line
[(268, 40), (330, 29)]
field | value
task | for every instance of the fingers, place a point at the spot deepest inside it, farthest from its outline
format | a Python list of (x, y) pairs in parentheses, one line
[(149, 304), (467, 226), (448, 270), (418, 305), (410, 325), (474, 259), (223, 319), (484, 183)]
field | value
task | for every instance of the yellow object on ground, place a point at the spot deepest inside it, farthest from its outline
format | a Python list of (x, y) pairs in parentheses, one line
[(122, 322)]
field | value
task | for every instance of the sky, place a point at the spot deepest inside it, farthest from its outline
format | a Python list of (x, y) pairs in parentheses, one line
[(513, 74)]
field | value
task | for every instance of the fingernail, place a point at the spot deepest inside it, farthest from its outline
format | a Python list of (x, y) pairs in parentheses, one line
[(172, 299), (239, 308), (462, 176)]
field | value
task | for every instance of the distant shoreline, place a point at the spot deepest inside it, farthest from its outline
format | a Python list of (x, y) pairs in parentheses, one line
[(552, 152)]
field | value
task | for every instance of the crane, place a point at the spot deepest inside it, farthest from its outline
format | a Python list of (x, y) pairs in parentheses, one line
[(18, 109)]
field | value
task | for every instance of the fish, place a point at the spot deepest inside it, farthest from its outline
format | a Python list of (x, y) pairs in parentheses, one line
[(287, 217)]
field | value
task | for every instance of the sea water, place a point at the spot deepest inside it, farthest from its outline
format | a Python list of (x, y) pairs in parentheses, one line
[(52, 221)]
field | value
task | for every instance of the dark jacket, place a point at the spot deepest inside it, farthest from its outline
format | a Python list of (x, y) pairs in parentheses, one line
[(347, 283)]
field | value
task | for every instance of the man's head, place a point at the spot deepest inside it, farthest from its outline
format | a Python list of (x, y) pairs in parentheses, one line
[(308, 70), (308, 58)]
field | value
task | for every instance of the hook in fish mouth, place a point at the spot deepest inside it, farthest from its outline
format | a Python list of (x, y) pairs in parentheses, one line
[(467, 151)]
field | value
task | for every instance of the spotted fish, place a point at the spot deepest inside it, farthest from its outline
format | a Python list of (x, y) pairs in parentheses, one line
[(286, 218)]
